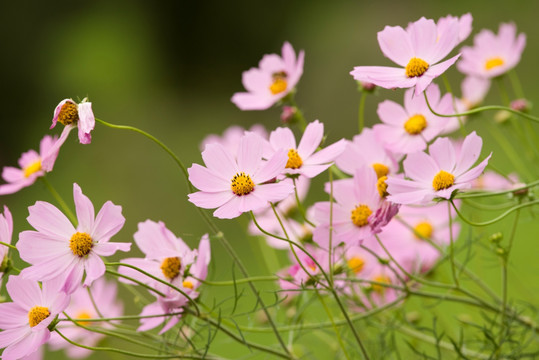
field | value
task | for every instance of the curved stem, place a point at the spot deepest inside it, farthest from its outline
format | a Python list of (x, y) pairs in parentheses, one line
[(485, 223), (481, 109), (115, 273), (496, 193), (60, 201), (239, 281), (9, 246)]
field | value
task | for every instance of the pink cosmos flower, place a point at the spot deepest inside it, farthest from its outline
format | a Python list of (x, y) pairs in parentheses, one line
[(172, 261), (235, 186), (274, 78), (465, 26), (303, 159), (426, 222), (32, 165), (493, 55), (408, 129), (366, 150), (418, 49), (356, 200), (58, 250), (6, 233), (25, 320), (231, 137), (81, 307), (72, 114), (438, 174)]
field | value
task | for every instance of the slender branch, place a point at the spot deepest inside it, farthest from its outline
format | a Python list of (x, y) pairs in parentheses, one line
[(60, 201), (485, 223)]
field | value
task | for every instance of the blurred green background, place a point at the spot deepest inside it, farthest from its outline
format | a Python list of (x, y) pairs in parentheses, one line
[(170, 67)]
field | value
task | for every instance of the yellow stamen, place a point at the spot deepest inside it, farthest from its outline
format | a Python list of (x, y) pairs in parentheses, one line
[(188, 284), (81, 244), (443, 180), (32, 168), (381, 279), (360, 215), (382, 186), (242, 184), (69, 113), (423, 230), (294, 160), (494, 62), (380, 169), (415, 124), (171, 267), (279, 83), (356, 264), (416, 67), (83, 315), (37, 314)]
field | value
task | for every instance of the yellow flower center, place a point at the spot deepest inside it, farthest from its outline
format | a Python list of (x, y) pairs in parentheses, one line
[(84, 315), (382, 186), (416, 67), (294, 160), (37, 314), (171, 267), (380, 169), (242, 184), (32, 168), (493, 62), (81, 244), (356, 264), (423, 230), (188, 284), (443, 180), (381, 279), (415, 124), (279, 83), (360, 215), (69, 114)]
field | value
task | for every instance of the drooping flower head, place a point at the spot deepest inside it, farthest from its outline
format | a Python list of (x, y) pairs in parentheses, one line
[(59, 250), (493, 55), (275, 77), (303, 159), (6, 232), (25, 320), (238, 185), (408, 129), (439, 173), (71, 114), (104, 295), (32, 165), (418, 50)]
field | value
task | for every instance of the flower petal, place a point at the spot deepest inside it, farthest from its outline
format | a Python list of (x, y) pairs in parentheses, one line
[(85, 210), (108, 222), (47, 219)]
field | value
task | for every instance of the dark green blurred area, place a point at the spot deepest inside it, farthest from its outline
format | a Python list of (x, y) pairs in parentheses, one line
[(170, 67)]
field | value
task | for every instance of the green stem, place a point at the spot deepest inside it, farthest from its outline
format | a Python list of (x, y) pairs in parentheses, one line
[(120, 318), (9, 246), (60, 201), (335, 328), (452, 246), (300, 206), (453, 99), (239, 281), (112, 272), (299, 115), (489, 194), (481, 109), (361, 116), (486, 223)]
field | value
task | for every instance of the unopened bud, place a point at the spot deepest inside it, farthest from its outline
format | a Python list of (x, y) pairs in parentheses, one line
[(496, 238), (383, 261), (288, 114), (521, 105), (500, 251), (413, 317), (366, 86), (502, 116)]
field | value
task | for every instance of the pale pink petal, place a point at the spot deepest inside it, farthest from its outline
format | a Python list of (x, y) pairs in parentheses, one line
[(26, 293), (200, 267), (256, 81), (13, 315), (150, 323), (395, 44), (95, 268), (72, 277), (35, 247), (446, 42), (110, 248), (13, 188), (270, 169), (469, 153), (11, 336), (229, 210), (47, 219), (271, 63), (282, 138), (150, 266), (252, 101), (474, 173), (219, 161), (311, 171), (423, 35), (86, 117), (12, 174), (48, 160), (206, 180), (26, 345), (314, 132), (421, 167), (327, 154), (207, 200), (108, 222), (443, 152), (173, 321), (57, 111), (386, 77), (53, 267), (85, 210), (250, 153), (392, 113), (275, 192)]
